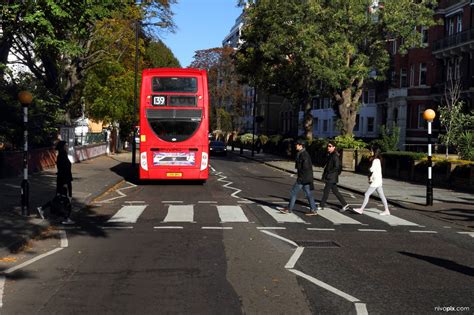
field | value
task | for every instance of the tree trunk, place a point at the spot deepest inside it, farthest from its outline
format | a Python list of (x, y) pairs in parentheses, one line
[(347, 105), (308, 119)]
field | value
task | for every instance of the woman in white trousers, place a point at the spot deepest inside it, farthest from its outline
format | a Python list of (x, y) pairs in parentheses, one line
[(375, 181)]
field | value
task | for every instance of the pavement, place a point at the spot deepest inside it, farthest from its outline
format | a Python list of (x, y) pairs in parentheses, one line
[(94, 177)]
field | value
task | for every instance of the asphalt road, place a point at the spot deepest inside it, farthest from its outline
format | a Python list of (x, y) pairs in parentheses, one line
[(223, 248)]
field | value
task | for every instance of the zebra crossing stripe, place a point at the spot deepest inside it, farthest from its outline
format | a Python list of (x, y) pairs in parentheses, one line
[(180, 213), (282, 217), (336, 217), (127, 214), (389, 219), (231, 214)]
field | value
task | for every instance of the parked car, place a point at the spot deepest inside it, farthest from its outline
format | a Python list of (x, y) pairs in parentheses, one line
[(217, 147)]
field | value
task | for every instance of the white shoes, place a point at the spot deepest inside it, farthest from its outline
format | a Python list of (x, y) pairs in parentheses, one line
[(358, 210), (68, 222), (40, 212), (386, 212)]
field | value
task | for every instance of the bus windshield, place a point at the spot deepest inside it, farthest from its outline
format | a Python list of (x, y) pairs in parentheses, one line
[(174, 125), (173, 84)]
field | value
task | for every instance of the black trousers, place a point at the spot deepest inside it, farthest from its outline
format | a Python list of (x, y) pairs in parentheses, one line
[(61, 186), (335, 191)]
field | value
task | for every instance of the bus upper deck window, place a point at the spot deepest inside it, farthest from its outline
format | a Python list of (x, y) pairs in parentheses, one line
[(174, 84)]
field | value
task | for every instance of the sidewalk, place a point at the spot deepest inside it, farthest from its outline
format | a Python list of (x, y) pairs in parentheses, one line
[(448, 205), (91, 179)]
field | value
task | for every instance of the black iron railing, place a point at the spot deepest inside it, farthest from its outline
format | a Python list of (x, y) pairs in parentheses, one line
[(454, 40)]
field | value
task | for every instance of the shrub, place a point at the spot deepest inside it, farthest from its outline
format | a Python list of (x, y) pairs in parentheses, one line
[(246, 138), (466, 145), (349, 142)]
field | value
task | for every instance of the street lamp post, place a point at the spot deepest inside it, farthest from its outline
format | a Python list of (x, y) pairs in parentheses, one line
[(25, 99), (429, 115)]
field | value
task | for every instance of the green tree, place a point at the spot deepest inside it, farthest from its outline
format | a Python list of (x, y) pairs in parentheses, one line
[(225, 92), (316, 46), (158, 55), (57, 42), (451, 116)]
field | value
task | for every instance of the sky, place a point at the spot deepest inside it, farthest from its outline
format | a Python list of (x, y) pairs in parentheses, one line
[(201, 24)]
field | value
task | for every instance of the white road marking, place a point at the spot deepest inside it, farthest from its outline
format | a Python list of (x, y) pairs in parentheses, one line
[(280, 238), (423, 231), (2, 285), (371, 230), (180, 213), (244, 201), (389, 219), (127, 214), (471, 234), (271, 228), (294, 258), (320, 229), (64, 241), (282, 217), (204, 201), (216, 228), (231, 214), (336, 217), (361, 308), (172, 201), (168, 227)]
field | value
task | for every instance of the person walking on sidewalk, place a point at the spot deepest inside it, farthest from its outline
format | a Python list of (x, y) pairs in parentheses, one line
[(304, 180), (63, 178), (331, 172), (375, 181)]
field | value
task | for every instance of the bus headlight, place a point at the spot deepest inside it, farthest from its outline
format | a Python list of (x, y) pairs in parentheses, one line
[(143, 161), (204, 160)]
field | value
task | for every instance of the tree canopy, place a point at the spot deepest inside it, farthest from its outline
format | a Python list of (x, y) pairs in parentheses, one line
[(75, 50), (225, 92), (314, 47)]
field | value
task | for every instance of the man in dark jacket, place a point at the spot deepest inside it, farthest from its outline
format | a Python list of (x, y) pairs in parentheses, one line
[(331, 172), (304, 181)]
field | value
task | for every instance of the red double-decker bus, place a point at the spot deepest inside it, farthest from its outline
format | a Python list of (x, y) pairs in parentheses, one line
[(174, 124)]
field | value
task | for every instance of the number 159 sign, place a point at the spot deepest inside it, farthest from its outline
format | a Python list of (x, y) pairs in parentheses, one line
[(159, 100)]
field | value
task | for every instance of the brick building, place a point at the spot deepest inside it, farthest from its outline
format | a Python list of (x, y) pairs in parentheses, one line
[(419, 78)]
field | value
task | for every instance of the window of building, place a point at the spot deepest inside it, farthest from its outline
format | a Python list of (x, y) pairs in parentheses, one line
[(325, 125), (327, 103), (316, 103), (424, 36), (421, 121), (403, 77), (459, 23), (371, 96), (422, 77), (412, 75), (394, 47), (356, 127), (450, 26), (315, 125), (370, 124)]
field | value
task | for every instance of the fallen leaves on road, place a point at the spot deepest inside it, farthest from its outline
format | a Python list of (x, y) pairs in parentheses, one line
[(8, 259)]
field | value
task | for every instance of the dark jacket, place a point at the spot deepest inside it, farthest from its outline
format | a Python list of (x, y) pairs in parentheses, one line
[(64, 168), (332, 168), (304, 166)]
